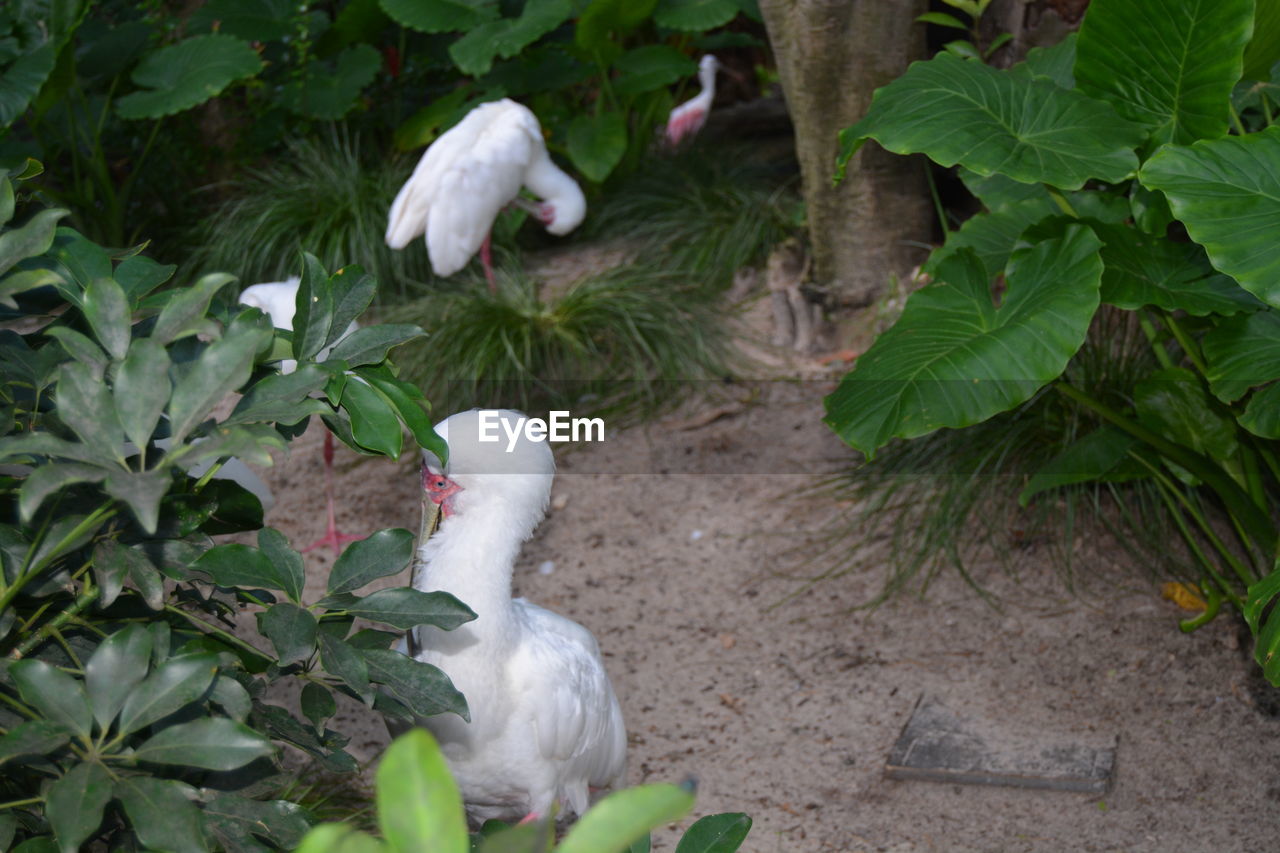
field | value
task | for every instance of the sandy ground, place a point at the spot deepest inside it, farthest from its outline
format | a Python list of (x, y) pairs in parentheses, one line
[(678, 546)]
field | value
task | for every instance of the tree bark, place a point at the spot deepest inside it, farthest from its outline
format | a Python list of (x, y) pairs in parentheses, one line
[(831, 55)]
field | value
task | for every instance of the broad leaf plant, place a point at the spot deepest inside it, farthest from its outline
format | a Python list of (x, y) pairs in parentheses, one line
[(1134, 165), (131, 710)]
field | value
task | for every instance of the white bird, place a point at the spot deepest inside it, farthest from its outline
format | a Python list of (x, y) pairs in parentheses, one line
[(278, 300), (688, 118), (545, 723), (468, 175)]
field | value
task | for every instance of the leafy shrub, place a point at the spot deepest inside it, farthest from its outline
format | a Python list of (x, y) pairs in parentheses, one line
[(130, 711), (419, 809), (1090, 165)]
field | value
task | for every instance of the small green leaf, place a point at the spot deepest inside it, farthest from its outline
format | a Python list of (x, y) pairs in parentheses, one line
[(384, 553), (115, 668), (57, 696), (624, 816), (286, 562), (1242, 352), (1098, 456), (107, 309), (34, 737), (187, 307), (85, 405), (403, 607), (718, 833), (440, 16), (142, 389), (345, 662), (317, 703), (596, 143), (341, 838), (419, 807), (162, 817), (371, 344), (374, 423), (33, 238), (142, 491), (140, 275), (74, 804), (412, 407), (173, 685), (232, 696), (50, 478), (942, 19), (239, 565), (186, 74), (283, 822), (214, 743), (423, 687), (223, 367), (291, 629)]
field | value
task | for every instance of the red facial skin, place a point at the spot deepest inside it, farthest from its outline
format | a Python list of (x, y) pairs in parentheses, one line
[(439, 488)]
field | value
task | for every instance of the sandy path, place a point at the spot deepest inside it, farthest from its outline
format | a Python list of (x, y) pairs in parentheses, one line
[(788, 713)]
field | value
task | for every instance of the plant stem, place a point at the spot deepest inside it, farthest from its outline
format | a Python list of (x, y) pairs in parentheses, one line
[(1061, 201), (1238, 503), (13, 804), (1235, 118), (87, 596), (1212, 605), (1149, 329), (937, 201), (1185, 341), (225, 636)]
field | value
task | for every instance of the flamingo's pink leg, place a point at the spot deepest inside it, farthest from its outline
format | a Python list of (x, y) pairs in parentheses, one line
[(331, 537)]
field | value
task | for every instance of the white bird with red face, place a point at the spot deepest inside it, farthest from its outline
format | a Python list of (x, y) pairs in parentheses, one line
[(688, 118), (468, 175), (545, 723)]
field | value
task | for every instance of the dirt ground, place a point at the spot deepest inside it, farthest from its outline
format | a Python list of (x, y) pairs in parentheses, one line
[(677, 545)]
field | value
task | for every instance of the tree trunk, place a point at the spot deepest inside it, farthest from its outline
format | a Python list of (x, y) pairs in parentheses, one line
[(831, 55)]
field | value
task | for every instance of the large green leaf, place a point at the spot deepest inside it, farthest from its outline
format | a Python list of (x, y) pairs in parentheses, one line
[(85, 405), (474, 52), (174, 684), (1173, 403), (424, 688), (106, 308), (371, 344), (1170, 70), (1266, 650), (344, 661), (694, 15), (234, 564), (597, 142), (419, 807), (50, 478), (957, 111), (187, 307), (286, 561), (651, 67), (716, 833), (1098, 456), (233, 817), (1227, 193), (142, 389), (34, 737), (329, 90), (1144, 270), (440, 16), (115, 668), (1263, 50), (1242, 352), (624, 816), (954, 359), (214, 743), (404, 608), (33, 238), (384, 553), (75, 802), (224, 366), (57, 696), (291, 629), (183, 75), (161, 815)]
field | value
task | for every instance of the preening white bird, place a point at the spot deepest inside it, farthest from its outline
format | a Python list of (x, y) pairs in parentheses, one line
[(688, 118), (545, 723), (278, 300), (468, 175)]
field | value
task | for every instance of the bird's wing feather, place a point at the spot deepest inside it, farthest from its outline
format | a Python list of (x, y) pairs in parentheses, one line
[(472, 190), (576, 715)]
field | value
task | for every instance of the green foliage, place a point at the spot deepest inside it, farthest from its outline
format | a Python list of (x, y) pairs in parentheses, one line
[(419, 808), (1198, 427), (325, 196), (132, 715), (627, 341), (703, 212)]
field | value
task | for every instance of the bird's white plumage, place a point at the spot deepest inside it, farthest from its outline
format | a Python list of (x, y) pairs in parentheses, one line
[(688, 118), (469, 174), (545, 722)]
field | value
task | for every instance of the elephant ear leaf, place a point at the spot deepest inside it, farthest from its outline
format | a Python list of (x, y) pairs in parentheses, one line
[(1227, 192), (1266, 631), (186, 74), (955, 359)]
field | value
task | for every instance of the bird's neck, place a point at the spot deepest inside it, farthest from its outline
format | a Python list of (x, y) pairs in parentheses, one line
[(471, 558), (547, 181), (707, 77)]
